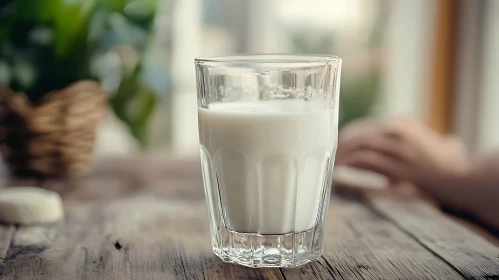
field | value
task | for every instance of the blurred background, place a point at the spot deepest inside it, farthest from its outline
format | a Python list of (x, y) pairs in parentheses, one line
[(433, 60)]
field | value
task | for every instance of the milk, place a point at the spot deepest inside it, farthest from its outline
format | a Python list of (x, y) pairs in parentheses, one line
[(272, 161)]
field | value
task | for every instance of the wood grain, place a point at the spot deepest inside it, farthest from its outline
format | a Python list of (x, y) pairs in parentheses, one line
[(361, 245), (6, 234), (468, 253), (7, 231), (126, 225), (148, 220)]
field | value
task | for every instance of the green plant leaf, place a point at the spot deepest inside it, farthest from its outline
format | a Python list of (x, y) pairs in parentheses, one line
[(112, 5), (71, 25), (47, 10), (49, 44), (358, 96), (145, 103), (134, 104), (141, 7), (126, 32)]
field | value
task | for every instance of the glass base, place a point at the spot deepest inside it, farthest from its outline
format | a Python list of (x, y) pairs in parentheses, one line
[(256, 250)]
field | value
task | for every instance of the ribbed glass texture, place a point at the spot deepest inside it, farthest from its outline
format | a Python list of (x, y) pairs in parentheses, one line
[(268, 136)]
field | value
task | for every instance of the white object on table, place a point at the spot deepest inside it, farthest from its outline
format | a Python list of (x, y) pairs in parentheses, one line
[(30, 205)]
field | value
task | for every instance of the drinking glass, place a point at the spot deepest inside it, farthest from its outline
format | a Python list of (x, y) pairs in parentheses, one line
[(268, 127)]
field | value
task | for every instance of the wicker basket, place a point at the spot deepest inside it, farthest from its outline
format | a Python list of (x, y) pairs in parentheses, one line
[(54, 138)]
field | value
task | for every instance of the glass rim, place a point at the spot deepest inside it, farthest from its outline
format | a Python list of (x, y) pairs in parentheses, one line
[(281, 59)]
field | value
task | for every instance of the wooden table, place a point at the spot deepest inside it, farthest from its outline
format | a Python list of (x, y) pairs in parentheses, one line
[(143, 219)]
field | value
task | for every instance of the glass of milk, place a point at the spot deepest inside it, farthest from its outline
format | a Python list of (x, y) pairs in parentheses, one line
[(268, 127)]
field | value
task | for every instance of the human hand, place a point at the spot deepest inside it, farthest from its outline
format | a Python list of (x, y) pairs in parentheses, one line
[(402, 150)]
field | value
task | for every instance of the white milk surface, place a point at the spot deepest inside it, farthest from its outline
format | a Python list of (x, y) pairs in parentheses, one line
[(270, 158)]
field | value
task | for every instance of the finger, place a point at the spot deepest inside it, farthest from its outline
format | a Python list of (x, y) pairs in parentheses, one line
[(456, 144), (377, 162), (358, 129), (351, 140), (412, 131), (416, 137), (379, 143)]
